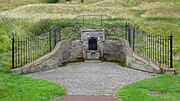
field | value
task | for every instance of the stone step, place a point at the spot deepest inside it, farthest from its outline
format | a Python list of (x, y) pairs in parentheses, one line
[(93, 61)]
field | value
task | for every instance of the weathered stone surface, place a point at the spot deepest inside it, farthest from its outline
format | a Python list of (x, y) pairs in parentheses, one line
[(114, 50), (93, 55), (67, 50), (137, 62), (70, 50)]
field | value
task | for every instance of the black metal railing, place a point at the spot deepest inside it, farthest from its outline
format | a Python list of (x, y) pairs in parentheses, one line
[(27, 50), (158, 49)]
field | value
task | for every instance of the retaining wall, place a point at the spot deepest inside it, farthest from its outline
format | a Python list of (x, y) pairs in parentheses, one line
[(71, 50), (66, 50)]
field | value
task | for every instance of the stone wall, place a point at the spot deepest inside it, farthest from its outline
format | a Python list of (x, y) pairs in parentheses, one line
[(119, 51), (114, 51), (66, 50), (70, 50), (135, 61)]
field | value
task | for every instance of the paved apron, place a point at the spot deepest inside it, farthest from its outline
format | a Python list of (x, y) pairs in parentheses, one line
[(92, 78)]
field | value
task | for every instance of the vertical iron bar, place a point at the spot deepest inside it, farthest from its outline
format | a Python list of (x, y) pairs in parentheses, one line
[(171, 50), (16, 64), (126, 30), (147, 46), (168, 51), (35, 50), (36, 47), (13, 65), (29, 50), (165, 51), (144, 45), (134, 30), (155, 49), (21, 53), (50, 41), (18, 52), (26, 50), (60, 34), (40, 52), (33, 39), (24, 47), (54, 32), (160, 51), (32, 45), (150, 48), (129, 34)]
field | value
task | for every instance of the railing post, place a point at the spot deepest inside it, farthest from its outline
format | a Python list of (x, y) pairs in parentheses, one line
[(126, 29), (55, 41), (50, 41), (134, 30), (59, 33), (171, 50), (13, 42), (129, 34)]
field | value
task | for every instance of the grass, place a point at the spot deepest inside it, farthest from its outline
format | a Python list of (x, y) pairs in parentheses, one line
[(31, 17), (177, 65), (5, 63), (166, 84), (11, 4), (114, 8), (15, 87)]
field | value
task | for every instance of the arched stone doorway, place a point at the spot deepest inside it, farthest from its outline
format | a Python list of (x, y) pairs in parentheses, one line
[(92, 43)]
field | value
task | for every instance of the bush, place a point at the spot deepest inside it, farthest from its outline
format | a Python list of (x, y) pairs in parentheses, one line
[(82, 1), (52, 1)]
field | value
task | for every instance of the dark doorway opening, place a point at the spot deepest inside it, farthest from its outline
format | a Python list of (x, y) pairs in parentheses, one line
[(92, 43)]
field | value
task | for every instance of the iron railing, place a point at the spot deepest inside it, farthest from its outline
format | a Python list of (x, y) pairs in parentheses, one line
[(27, 50), (158, 49)]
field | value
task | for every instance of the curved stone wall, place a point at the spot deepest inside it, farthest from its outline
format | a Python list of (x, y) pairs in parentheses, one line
[(66, 50), (71, 50)]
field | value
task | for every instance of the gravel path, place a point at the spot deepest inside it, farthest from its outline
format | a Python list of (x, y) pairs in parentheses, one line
[(89, 78)]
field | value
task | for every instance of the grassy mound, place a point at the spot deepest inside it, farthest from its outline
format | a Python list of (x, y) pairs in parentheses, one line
[(20, 88), (166, 86)]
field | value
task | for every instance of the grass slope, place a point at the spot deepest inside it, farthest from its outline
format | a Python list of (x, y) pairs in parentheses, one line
[(29, 17), (114, 8), (11, 4), (167, 84), (20, 88)]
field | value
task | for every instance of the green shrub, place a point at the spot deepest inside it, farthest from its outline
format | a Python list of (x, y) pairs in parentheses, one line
[(82, 1), (46, 25), (52, 1)]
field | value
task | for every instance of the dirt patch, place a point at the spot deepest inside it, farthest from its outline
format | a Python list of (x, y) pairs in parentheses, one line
[(85, 98), (153, 93)]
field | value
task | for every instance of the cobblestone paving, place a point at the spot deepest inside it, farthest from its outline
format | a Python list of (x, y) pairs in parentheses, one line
[(88, 78)]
